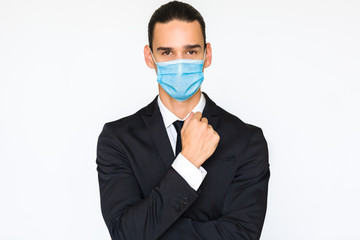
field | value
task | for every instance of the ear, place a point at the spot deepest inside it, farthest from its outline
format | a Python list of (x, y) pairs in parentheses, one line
[(148, 58), (208, 56)]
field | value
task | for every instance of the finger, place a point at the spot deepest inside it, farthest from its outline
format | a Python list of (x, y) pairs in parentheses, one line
[(217, 136), (204, 120), (187, 120), (197, 115)]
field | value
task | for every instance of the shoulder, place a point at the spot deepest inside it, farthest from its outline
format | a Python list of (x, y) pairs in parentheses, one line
[(228, 123), (115, 134), (131, 121), (234, 124), (124, 122), (240, 137)]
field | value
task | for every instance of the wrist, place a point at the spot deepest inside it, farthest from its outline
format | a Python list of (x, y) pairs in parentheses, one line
[(191, 158)]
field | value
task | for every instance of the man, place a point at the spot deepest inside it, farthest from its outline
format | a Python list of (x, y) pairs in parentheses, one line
[(206, 179)]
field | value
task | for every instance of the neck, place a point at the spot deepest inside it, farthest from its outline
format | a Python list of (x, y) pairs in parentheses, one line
[(180, 109)]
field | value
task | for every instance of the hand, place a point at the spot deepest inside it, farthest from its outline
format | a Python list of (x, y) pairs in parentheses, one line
[(199, 139)]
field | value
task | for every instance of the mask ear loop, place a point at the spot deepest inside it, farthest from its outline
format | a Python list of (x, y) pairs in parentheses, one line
[(153, 56), (204, 54)]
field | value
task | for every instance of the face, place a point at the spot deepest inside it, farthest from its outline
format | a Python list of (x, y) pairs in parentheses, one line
[(177, 40)]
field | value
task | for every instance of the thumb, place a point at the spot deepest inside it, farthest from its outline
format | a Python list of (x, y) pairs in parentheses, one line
[(187, 120)]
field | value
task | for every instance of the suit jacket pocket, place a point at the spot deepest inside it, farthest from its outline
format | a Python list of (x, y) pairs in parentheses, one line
[(216, 159)]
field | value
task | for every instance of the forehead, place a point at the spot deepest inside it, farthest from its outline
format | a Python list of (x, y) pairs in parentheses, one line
[(177, 34)]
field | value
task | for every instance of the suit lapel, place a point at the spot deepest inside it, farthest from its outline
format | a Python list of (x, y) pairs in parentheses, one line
[(211, 112), (155, 125)]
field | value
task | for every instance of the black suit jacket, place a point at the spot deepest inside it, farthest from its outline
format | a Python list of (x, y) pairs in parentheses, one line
[(143, 197)]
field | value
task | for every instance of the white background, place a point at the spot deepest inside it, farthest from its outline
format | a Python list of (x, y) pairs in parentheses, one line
[(67, 67)]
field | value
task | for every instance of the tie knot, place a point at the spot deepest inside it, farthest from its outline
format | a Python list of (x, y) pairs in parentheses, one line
[(178, 125)]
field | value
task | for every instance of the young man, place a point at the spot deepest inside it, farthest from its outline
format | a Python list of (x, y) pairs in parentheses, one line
[(182, 167)]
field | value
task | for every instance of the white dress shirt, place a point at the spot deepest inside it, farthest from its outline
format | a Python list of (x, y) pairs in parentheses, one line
[(192, 175)]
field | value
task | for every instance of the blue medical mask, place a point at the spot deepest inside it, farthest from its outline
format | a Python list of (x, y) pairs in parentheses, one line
[(180, 78)]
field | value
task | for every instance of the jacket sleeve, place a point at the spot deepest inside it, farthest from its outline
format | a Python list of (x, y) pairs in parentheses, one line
[(127, 214), (245, 204)]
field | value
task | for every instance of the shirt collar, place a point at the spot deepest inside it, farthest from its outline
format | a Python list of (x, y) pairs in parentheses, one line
[(170, 117)]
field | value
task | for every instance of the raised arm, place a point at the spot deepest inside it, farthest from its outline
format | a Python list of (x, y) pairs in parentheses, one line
[(245, 205)]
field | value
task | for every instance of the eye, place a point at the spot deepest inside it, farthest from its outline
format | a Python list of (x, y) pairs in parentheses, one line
[(191, 52), (166, 53)]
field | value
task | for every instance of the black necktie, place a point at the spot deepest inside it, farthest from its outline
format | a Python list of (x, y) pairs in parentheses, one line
[(178, 125)]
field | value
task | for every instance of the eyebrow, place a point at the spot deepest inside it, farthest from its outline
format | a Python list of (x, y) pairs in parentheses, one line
[(164, 48), (188, 46)]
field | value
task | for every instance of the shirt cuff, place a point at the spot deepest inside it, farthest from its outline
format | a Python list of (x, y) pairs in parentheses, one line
[(193, 176)]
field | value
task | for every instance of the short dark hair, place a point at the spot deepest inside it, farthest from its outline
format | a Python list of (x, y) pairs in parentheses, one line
[(175, 11)]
